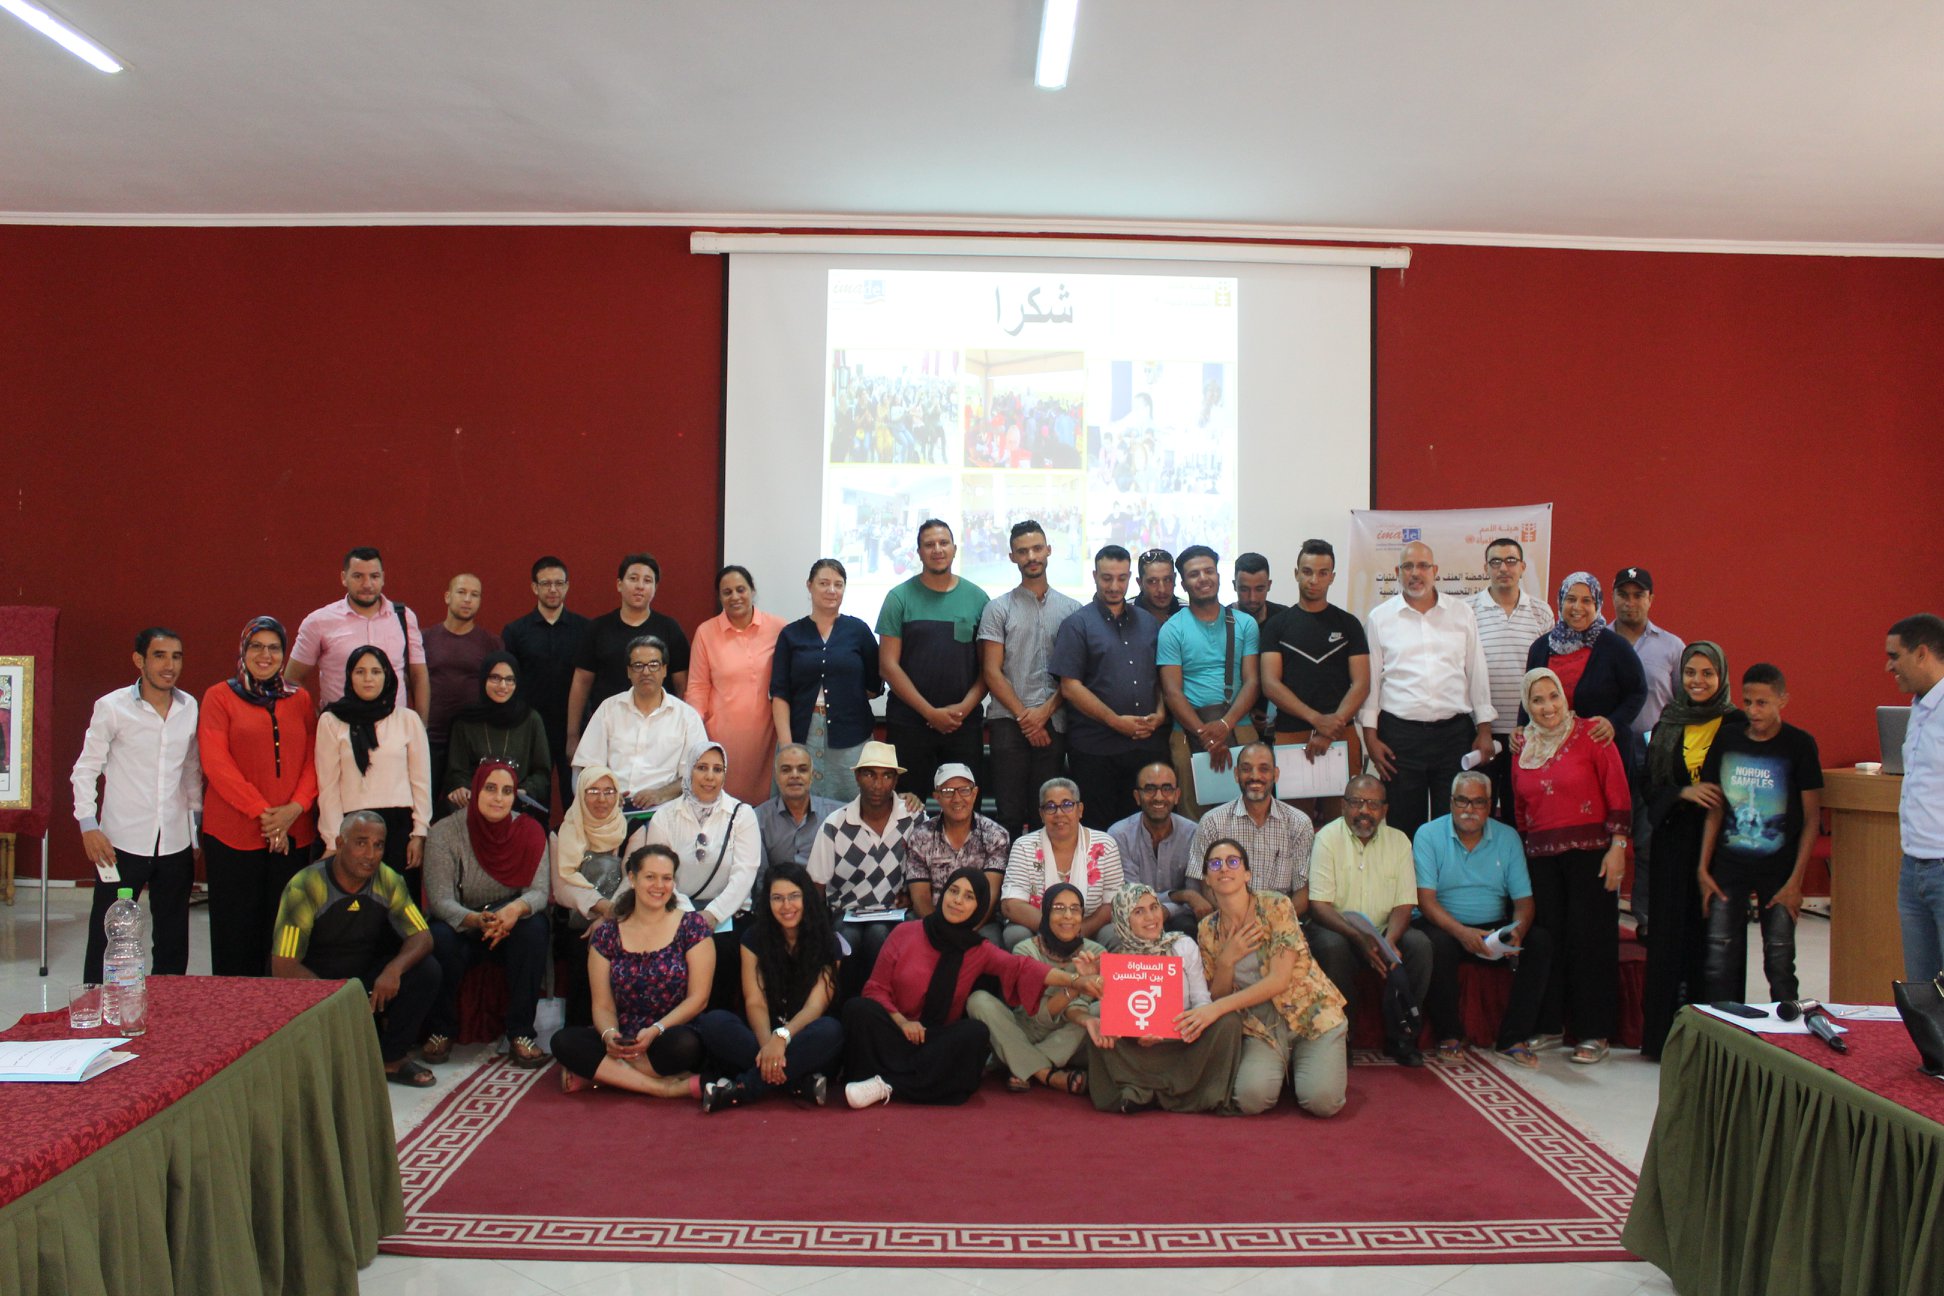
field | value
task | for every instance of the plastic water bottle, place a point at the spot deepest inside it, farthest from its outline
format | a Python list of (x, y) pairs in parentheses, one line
[(124, 968)]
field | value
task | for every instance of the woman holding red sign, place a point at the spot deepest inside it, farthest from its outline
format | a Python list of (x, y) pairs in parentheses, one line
[(1128, 1074), (1260, 969)]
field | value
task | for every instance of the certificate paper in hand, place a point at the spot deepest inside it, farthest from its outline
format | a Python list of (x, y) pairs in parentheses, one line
[(1140, 995)]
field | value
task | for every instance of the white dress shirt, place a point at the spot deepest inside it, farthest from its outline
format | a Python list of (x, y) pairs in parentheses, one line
[(1426, 666), (644, 751), (154, 791), (718, 864)]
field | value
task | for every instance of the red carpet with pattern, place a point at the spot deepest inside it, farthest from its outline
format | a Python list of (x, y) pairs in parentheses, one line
[(1453, 1163)]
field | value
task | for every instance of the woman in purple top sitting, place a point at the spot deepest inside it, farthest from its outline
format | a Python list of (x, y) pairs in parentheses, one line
[(649, 967), (908, 1033)]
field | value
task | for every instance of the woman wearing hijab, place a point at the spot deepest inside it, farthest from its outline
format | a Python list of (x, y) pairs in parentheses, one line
[(729, 681), (1127, 1075), (587, 873), (1677, 808), (788, 961), (1039, 1045), (907, 1033), (372, 755), (486, 898), (257, 736), (1571, 804), (720, 845), (1599, 673), (499, 726)]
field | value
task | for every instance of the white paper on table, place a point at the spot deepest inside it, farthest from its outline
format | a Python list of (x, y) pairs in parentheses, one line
[(1865, 1012), (1768, 1023), (63, 1060), (1299, 777)]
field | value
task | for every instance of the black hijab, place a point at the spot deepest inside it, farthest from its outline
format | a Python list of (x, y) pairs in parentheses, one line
[(951, 940), (1053, 945), (360, 716), (510, 714)]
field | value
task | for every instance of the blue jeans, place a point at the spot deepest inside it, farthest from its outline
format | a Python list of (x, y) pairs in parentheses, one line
[(1920, 910)]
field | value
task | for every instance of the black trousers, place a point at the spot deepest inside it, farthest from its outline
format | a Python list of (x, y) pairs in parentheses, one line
[(1107, 782), (922, 749), (675, 1051), (1500, 768), (524, 954), (399, 1021), (1725, 954), (1583, 918), (1018, 769), (732, 1049), (1674, 925), (946, 1069), (865, 940), (1427, 756), (167, 879), (1521, 1020), (398, 836), (245, 889)]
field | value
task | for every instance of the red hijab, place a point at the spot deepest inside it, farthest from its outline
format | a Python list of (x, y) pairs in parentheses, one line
[(510, 850)]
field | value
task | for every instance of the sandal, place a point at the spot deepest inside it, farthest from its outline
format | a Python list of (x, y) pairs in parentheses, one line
[(1074, 1083), (1015, 1085), (525, 1054), (411, 1075), (1590, 1052), (1451, 1050), (436, 1049), (1520, 1055), (1540, 1043)]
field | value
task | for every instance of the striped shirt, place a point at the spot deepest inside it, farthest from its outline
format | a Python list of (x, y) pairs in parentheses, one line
[(1278, 850), (1506, 637)]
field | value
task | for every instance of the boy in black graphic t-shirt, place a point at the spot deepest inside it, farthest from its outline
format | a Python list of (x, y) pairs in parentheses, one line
[(1758, 841)]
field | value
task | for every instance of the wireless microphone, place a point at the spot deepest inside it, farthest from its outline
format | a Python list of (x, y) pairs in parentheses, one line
[(1815, 1017)]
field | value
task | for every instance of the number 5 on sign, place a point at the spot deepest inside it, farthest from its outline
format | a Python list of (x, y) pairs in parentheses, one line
[(1140, 995)]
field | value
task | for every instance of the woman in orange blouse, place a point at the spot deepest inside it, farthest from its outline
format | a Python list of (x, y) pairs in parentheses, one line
[(729, 683)]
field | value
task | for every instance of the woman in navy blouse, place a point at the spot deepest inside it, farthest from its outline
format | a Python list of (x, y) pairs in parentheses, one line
[(822, 680)]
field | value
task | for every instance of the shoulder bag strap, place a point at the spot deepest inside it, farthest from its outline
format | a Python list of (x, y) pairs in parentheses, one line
[(721, 851), (404, 630), (1228, 656)]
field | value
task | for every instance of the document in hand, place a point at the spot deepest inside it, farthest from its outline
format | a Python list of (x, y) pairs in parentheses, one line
[(1140, 995), (1500, 943), (67, 1061), (1299, 778)]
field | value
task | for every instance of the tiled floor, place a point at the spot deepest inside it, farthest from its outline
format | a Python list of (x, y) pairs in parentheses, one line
[(1615, 1102)]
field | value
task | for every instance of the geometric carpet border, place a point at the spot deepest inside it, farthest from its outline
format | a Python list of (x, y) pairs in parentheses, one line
[(430, 1153)]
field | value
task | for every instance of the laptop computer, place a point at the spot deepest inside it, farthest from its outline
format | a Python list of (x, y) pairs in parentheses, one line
[(1892, 724)]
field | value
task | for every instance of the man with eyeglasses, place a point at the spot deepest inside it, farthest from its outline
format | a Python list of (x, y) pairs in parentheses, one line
[(1509, 619), (1155, 844), (1104, 658), (1277, 836), (1430, 691), (1471, 882), (600, 672), (643, 735), (546, 642), (957, 837), (1156, 573), (1363, 888)]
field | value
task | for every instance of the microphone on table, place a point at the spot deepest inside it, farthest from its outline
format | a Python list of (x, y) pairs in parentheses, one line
[(1815, 1017)]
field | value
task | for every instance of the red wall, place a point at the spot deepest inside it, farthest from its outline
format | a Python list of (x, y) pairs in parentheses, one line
[(199, 422)]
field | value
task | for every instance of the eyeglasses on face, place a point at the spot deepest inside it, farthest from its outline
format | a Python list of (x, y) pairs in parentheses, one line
[(1059, 807), (1147, 789), (1363, 803), (502, 679), (1471, 803), (955, 793), (643, 668), (1067, 911), (1216, 863), (551, 584), (1499, 564)]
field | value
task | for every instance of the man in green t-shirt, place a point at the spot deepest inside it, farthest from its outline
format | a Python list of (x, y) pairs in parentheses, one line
[(928, 653)]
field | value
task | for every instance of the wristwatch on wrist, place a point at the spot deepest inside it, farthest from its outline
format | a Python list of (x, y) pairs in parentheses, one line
[(784, 1032)]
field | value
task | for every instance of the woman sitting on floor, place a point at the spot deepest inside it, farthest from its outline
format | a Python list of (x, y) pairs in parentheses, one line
[(789, 978), (1259, 967), (1175, 1075), (1038, 1045), (649, 967), (906, 1034)]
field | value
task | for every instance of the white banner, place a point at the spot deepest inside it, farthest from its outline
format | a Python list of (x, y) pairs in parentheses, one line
[(1457, 536)]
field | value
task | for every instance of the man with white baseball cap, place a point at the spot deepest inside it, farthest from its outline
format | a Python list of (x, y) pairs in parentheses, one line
[(956, 837)]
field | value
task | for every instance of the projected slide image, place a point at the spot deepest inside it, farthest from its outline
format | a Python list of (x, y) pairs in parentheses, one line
[(995, 500), (1025, 409), (892, 407), (871, 520), (1170, 522), (1171, 428)]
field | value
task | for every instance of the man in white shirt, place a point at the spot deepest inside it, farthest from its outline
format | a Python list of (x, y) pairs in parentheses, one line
[(1916, 659), (1430, 692), (1509, 619), (643, 735), (142, 739)]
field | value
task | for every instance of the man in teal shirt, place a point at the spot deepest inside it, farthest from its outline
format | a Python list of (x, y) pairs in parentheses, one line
[(1207, 657)]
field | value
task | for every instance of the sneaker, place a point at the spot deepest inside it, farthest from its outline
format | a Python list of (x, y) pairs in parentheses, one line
[(867, 1093), (718, 1095), (818, 1090), (1404, 1053)]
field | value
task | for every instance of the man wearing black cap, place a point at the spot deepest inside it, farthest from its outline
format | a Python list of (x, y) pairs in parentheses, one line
[(1660, 661)]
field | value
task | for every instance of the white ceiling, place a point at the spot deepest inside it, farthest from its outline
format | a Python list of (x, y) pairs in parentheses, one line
[(1765, 120)]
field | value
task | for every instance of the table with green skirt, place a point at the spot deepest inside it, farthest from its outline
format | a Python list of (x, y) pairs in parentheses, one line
[(1779, 1168), (247, 1148)]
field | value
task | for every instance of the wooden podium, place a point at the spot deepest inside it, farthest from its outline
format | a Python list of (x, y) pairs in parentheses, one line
[(1865, 856)]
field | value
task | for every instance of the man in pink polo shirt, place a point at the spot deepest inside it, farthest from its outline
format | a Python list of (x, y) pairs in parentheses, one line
[(363, 616)]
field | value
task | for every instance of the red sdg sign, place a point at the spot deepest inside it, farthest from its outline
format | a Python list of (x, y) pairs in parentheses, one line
[(1140, 995)]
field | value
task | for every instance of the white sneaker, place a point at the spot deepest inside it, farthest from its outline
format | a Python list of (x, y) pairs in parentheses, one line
[(867, 1093)]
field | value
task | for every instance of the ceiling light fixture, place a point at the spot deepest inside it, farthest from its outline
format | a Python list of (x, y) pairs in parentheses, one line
[(1057, 22), (55, 30)]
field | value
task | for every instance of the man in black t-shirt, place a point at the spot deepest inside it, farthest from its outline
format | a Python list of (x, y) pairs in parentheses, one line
[(1758, 840), (1251, 585), (547, 642), (601, 670), (1316, 669)]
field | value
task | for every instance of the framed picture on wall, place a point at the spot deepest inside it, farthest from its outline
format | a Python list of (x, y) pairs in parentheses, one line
[(16, 733)]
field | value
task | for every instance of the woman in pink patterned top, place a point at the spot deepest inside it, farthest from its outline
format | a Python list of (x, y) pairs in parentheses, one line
[(1063, 850)]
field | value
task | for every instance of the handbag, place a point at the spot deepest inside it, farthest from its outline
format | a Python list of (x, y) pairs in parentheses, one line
[(1921, 1005)]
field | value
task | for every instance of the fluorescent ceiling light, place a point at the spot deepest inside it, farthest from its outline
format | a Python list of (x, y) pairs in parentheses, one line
[(69, 39), (1055, 47)]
